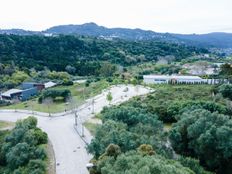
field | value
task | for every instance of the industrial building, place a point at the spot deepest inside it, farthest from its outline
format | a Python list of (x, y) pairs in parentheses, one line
[(172, 79)]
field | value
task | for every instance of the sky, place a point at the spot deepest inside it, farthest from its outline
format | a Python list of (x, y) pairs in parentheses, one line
[(175, 16)]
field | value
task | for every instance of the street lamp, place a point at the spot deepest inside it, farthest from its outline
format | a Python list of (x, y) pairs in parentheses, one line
[(76, 118)]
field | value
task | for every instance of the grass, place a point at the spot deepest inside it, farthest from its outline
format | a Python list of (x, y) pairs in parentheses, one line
[(167, 93), (92, 127), (79, 94), (167, 126), (50, 161), (4, 124)]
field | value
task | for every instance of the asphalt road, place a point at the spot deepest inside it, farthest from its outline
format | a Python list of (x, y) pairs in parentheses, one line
[(70, 152)]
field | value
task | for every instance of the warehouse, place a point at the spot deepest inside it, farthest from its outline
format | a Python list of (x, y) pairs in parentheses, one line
[(172, 79)]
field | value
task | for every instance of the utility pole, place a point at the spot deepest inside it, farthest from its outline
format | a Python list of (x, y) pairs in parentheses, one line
[(76, 118)]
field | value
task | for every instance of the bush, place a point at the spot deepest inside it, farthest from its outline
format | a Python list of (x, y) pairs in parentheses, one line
[(53, 93), (206, 136), (68, 83), (22, 149)]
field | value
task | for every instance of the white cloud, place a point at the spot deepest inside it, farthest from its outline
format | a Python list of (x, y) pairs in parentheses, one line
[(179, 16)]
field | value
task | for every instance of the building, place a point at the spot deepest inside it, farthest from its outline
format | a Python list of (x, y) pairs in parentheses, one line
[(11, 94), (49, 84), (172, 79), (26, 91), (28, 85)]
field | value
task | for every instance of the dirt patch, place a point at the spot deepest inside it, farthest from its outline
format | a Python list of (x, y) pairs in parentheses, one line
[(51, 167)]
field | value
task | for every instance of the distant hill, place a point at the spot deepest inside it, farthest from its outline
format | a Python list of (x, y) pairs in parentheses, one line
[(218, 40), (92, 29), (19, 32)]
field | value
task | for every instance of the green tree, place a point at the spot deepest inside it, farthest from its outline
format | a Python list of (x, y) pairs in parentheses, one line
[(109, 97), (226, 91), (204, 135)]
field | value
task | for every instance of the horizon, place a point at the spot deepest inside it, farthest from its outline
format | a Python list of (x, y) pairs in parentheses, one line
[(164, 16), (113, 28)]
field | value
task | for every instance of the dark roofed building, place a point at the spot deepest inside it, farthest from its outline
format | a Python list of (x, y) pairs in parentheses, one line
[(28, 85), (11, 94)]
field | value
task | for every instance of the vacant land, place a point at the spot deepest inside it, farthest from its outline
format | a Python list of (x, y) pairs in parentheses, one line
[(79, 94), (4, 124)]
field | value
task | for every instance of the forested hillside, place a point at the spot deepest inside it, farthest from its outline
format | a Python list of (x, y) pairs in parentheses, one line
[(59, 51)]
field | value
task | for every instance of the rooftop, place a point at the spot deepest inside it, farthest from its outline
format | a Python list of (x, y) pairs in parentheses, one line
[(11, 91), (179, 77), (49, 84)]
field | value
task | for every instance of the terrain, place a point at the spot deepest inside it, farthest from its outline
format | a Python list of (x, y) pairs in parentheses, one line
[(70, 153), (218, 40)]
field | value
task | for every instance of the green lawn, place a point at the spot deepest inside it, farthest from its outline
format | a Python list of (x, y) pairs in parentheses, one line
[(92, 127), (4, 124), (79, 93)]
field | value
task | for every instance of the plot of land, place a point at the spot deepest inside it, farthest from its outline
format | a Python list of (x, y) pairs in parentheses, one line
[(5, 125), (79, 93)]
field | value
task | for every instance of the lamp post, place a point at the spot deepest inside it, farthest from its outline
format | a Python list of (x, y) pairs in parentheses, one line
[(76, 118)]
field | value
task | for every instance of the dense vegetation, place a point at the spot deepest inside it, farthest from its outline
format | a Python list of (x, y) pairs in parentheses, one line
[(167, 101), (132, 138), (22, 150), (142, 161), (127, 127), (204, 135), (54, 93), (82, 52)]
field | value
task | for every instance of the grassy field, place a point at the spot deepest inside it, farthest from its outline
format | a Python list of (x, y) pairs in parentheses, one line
[(79, 94), (92, 127), (4, 124)]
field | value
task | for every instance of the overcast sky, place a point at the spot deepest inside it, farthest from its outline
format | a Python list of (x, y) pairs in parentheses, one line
[(176, 16)]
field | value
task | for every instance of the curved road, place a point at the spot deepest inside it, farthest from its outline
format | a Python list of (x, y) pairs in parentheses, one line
[(70, 152)]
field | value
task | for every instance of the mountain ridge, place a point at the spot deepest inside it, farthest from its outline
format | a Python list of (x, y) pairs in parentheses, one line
[(215, 39)]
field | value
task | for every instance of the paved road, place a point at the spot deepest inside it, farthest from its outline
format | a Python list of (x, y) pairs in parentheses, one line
[(71, 155)]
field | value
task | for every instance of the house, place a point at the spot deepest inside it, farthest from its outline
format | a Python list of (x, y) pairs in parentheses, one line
[(28, 90), (28, 85), (11, 94), (172, 79), (28, 93)]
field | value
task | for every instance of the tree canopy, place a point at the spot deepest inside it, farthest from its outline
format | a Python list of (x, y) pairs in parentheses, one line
[(205, 135), (22, 150)]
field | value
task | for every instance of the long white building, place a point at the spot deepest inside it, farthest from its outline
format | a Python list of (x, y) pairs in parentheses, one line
[(172, 79)]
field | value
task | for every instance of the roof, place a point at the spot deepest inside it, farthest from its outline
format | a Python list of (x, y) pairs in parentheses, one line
[(49, 84), (167, 77), (11, 91)]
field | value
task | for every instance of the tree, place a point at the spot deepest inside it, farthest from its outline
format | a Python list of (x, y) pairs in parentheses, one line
[(133, 162), (70, 69), (128, 128), (109, 97), (226, 91), (107, 69), (48, 103), (21, 150), (204, 135), (19, 155)]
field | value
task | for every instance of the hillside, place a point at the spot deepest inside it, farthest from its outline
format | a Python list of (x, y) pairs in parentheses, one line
[(59, 51), (218, 40)]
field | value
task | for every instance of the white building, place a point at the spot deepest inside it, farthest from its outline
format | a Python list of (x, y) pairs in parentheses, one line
[(173, 79), (49, 84)]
